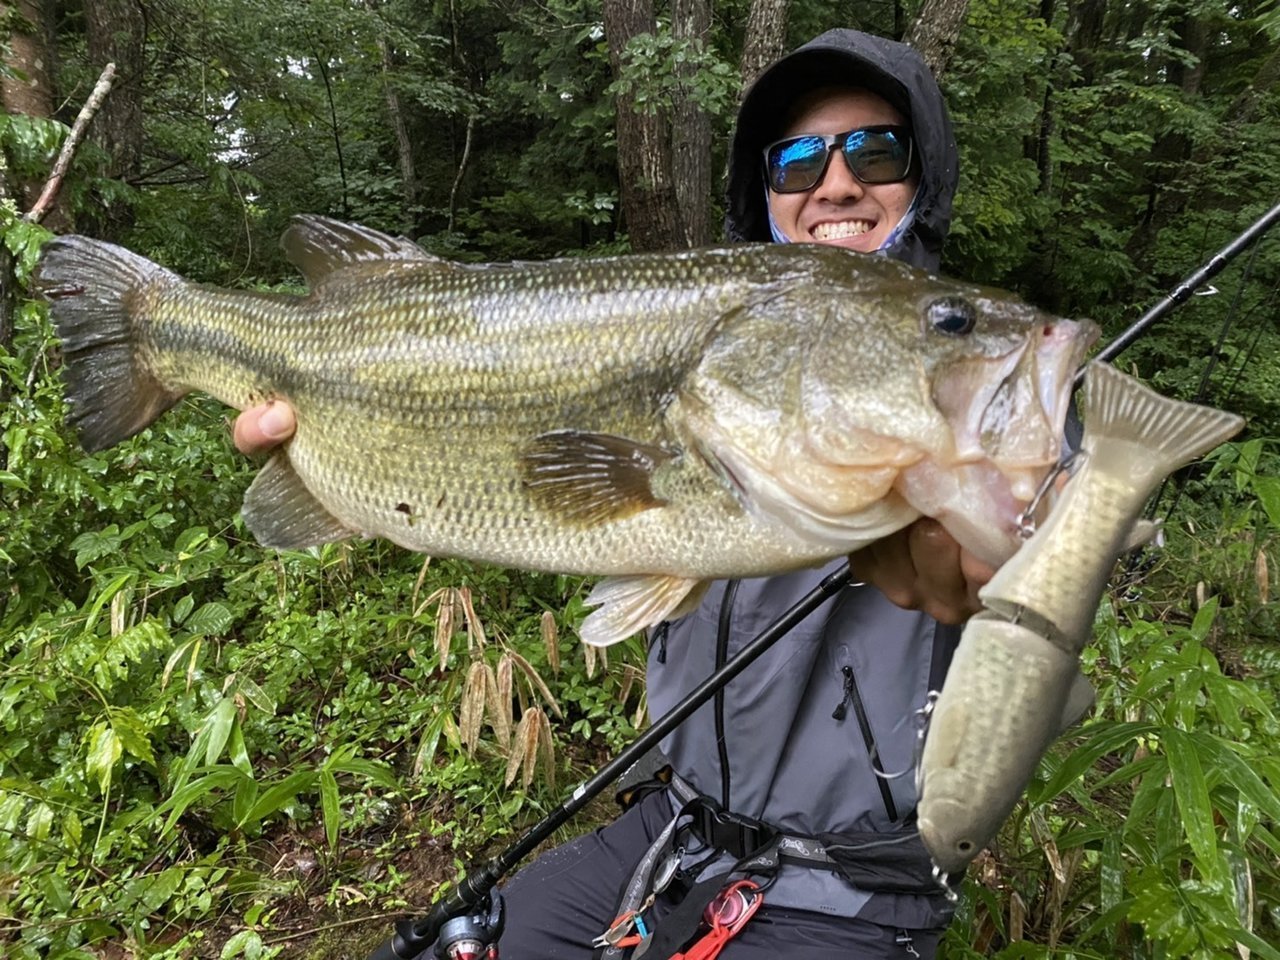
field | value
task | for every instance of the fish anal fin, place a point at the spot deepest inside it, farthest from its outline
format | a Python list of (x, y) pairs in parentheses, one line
[(281, 512), (627, 605), (319, 247), (590, 478)]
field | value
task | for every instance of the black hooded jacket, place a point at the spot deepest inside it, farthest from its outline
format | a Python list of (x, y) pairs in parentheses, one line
[(816, 736), (847, 57)]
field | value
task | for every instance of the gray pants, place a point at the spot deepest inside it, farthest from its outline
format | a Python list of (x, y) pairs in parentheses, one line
[(559, 903)]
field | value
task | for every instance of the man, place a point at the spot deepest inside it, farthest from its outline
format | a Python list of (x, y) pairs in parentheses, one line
[(845, 142)]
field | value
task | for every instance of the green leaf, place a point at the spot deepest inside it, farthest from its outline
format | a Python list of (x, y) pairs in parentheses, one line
[(133, 733), (246, 796), (237, 753), (40, 821), (255, 695), (1268, 491), (213, 780), (246, 943), (329, 806), (191, 647), (182, 609), (279, 796), (1193, 798), (212, 618), (72, 831), (1101, 738), (1204, 619), (1259, 946), (219, 724), (158, 890), (105, 749), (378, 773)]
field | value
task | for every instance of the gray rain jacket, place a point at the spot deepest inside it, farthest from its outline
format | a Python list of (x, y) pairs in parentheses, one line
[(796, 739)]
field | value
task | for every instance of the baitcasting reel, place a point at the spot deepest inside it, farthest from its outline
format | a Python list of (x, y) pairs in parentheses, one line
[(473, 936)]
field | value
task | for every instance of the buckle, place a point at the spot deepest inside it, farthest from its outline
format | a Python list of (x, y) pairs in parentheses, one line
[(736, 835)]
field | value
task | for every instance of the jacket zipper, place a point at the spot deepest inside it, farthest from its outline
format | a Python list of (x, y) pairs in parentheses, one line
[(722, 654), (852, 695)]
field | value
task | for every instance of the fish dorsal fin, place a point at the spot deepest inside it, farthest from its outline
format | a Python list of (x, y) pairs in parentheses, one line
[(627, 605), (281, 512), (588, 478), (319, 247)]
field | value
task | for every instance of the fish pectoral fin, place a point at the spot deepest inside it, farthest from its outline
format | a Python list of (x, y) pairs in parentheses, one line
[(588, 478), (1080, 700), (628, 605), (281, 512), (319, 247)]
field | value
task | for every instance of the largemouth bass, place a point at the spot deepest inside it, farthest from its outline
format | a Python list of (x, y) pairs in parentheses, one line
[(1015, 681), (662, 419)]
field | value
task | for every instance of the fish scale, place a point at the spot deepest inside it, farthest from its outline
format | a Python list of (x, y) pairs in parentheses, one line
[(665, 419)]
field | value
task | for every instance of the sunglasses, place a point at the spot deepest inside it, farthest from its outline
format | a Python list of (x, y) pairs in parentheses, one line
[(880, 154)]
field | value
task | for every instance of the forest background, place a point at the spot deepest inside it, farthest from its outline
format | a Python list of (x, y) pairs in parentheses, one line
[(208, 749)]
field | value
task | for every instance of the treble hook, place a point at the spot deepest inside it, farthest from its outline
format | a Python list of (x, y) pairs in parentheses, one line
[(1026, 521), (922, 720), (923, 716)]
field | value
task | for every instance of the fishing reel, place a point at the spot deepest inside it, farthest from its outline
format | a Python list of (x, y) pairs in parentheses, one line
[(473, 936)]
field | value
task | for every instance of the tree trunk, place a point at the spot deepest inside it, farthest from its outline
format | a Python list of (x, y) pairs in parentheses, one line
[(935, 32), (1166, 197), (766, 38), (1041, 152), (26, 88), (1086, 20), (116, 33), (648, 193), (691, 129), (404, 146)]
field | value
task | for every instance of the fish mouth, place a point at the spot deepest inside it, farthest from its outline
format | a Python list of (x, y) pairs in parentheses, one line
[(1021, 427), (951, 854)]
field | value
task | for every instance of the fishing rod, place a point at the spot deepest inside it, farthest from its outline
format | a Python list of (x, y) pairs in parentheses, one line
[(472, 914), (414, 936), (1183, 291)]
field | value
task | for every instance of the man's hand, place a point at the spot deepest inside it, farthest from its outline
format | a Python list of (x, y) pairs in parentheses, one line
[(922, 568), (260, 428)]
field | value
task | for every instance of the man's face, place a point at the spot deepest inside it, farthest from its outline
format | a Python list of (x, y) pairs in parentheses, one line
[(841, 209)]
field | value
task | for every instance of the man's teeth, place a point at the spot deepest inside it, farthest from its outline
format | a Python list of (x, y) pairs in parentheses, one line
[(845, 228)]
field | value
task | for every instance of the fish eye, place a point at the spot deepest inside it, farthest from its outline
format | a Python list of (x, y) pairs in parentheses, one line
[(953, 316)]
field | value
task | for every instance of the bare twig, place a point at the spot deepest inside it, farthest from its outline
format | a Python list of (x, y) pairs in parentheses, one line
[(91, 106), (312, 931)]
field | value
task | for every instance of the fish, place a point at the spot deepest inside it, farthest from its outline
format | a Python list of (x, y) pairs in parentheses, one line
[(1015, 683), (661, 420)]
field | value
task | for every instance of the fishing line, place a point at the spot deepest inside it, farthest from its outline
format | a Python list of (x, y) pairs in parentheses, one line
[(1227, 323), (1258, 331), (1183, 476)]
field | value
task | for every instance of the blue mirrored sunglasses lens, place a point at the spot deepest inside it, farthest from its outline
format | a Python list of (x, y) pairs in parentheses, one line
[(797, 164), (877, 157)]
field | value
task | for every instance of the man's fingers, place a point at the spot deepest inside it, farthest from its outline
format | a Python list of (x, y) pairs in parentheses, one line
[(887, 566), (941, 581), (260, 428)]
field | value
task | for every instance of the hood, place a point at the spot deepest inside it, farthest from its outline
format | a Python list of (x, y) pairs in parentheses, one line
[(894, 71)]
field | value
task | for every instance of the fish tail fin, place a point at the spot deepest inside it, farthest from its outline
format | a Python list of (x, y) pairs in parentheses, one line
[(1170, 433), (96, 292)]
